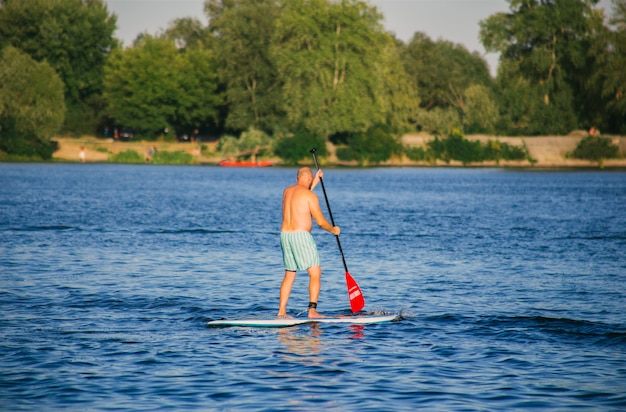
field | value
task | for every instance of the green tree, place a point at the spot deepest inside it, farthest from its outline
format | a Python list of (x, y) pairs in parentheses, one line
[(154, 86), (442, 70), (400, 100), (439, 121), (449, 77), (335, 64), (251, 144), (243, 31), (75, 37), (228, 145), (480, 110), (545, 44), (200, 98), (609, 78), (524, 110), (254, 140), (31, 104), (188, 32)]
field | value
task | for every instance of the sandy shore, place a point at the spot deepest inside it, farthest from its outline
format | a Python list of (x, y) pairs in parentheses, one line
[(549, 151), (98, 149)]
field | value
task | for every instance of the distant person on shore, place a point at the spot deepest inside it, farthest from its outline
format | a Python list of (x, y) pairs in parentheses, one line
[(298, 247), (593, 132), (149, 155), (82, 155)]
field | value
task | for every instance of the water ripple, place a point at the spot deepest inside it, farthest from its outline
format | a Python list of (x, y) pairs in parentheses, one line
[(509, 286)]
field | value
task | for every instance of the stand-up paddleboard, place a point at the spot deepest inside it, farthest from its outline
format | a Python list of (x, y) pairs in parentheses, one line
[(283, 323)]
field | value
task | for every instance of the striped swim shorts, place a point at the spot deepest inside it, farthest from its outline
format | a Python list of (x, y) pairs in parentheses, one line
[(299, 250)]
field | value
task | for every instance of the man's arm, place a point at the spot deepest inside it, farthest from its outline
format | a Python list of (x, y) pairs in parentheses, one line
[(316, 212), (318, 175)]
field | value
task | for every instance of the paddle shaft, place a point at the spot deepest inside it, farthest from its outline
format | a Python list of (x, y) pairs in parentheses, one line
[(330, 213)]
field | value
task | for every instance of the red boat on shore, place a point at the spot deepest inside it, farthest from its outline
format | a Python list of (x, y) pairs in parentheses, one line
[(244, 163)]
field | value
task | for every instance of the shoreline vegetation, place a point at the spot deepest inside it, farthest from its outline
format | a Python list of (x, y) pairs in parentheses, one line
[(543, 152), (352, 89)]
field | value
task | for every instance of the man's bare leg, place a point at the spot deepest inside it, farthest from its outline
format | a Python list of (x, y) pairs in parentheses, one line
[(315, 280), (285, 291)]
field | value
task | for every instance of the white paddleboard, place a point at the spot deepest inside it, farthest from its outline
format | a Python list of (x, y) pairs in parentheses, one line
[(282, 323)]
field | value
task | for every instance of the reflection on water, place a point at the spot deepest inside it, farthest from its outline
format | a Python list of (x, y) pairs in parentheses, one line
[(307, 340), (357, 331), (302, 341)]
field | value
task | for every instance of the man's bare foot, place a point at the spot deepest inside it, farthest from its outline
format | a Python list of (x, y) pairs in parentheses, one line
[(314, 315), (283, 316)]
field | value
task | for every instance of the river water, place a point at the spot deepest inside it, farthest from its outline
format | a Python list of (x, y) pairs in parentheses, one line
[(511, 286)]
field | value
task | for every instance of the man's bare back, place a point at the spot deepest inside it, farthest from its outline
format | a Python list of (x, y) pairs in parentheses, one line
[(300, 204), (297, 209)]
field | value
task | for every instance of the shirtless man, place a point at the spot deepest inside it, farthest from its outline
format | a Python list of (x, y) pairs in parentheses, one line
[(299, 249)]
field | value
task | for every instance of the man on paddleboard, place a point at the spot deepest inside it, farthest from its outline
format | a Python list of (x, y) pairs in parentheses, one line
[(299, 248)]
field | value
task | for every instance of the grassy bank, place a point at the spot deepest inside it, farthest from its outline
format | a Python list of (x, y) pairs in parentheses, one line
[(110, 150), (546, 151)]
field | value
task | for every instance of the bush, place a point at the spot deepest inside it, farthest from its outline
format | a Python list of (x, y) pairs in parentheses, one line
[(296, 148), (253, 140), (496, 150), (595, 148), (228, 145), (374, 146), (510, 152), (456, 147), (24, 145), (127, 156), (417, 154), (172, 158)]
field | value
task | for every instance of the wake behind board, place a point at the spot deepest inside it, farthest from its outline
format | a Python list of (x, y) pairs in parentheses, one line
[(282, 323)]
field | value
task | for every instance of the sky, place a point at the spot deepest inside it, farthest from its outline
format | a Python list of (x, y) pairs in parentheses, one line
[(453, 20)]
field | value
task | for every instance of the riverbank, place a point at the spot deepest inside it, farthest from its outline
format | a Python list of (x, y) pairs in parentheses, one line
[(99, 149), (546, 151)]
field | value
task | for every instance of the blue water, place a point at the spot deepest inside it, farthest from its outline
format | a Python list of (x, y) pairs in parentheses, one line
[(511, 286)]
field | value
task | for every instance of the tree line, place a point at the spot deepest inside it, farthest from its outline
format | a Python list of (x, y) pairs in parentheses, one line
[(313, 68)]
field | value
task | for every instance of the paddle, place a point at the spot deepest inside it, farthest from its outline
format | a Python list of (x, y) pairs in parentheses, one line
[(357, 302)]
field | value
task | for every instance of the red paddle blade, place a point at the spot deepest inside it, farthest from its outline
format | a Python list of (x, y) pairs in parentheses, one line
[(357, 302)]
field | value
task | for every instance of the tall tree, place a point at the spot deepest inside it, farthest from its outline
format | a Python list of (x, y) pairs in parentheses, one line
[(451, 82), (400, 101), (480, 110), (545, 43), (75, 37), (243, 30), (188, 32), (154, 86), (442, 70), (31, 104), (609, 78), (336, 65)]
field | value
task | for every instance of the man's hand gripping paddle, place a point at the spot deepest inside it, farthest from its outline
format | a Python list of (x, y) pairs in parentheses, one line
[(357, 302)]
